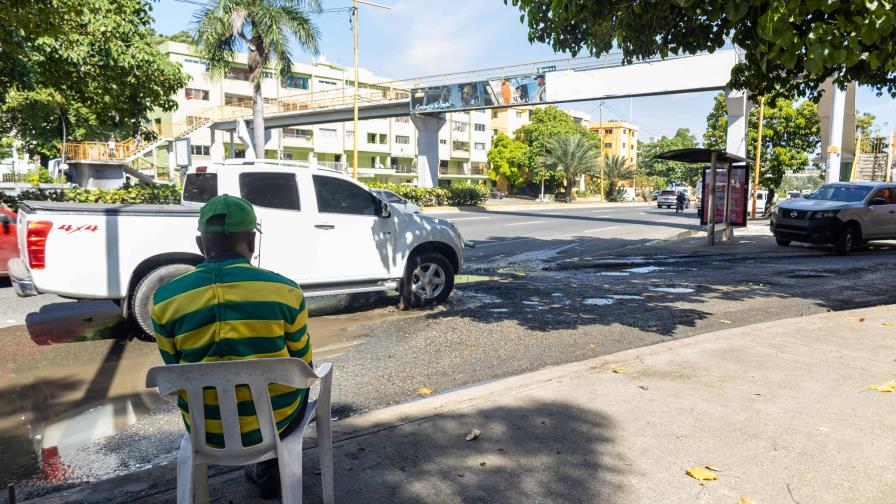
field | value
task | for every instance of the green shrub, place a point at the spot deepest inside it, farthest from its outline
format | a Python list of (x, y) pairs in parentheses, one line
[(126, 194), (438, 196)]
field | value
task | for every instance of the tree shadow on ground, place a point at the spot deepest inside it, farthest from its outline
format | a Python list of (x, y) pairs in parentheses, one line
[(543, 451)]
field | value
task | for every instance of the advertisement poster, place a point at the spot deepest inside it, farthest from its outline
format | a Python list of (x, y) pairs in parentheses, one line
[(481, 94), (739, 177)]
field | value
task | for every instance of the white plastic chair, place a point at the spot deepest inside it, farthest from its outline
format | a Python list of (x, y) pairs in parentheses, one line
[(195, 454)]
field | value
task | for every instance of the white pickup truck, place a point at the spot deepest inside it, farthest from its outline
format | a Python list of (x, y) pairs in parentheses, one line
[(320, 228)]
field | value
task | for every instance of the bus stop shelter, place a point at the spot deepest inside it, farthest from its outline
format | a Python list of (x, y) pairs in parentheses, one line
[(733, 173)]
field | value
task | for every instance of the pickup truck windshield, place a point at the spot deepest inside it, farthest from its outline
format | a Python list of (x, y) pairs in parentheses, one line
[(844, 193)]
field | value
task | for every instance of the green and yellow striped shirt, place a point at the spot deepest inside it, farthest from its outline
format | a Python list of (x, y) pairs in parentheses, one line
[(227, 309)]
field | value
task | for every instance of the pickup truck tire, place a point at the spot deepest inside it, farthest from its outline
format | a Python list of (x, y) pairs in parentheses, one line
[(428, 280), (141, 302), (847, 239)]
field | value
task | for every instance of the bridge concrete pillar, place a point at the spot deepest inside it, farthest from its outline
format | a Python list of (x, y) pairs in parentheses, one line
[(428, 127), (838, 110), (217, 148), (738, 117)]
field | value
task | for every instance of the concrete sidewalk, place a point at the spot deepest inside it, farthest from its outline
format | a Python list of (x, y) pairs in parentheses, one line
[(781, 409)]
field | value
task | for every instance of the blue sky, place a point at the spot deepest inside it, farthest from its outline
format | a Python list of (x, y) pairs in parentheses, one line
[(430, 37)]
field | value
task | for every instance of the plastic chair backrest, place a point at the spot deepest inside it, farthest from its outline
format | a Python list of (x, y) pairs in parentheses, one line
[(224, 376)]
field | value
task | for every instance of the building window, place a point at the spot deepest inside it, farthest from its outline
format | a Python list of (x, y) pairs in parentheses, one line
[(238, 73), (402, 139), (295, 82), (196, 94), (608, 132), (297, 133), (623, 145), (519, 114), (236, 100), (608, 145), (239, 153), (460, 127), (327, 83), (266, 74), (327, 133), (460, 146), (479, 146), (479, 127), (288, 156), (384, 138), (494, 114), (371, 138), (443, 141), (403, 119), (201, 150), (193, 121), (443, 163), (349, 133)]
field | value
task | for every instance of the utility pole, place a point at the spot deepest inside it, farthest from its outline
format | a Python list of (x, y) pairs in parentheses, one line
[(758, 153), (600, 148), (355, 97)]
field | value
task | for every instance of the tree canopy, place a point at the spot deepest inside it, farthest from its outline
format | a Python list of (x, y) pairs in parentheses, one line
[(790, 46), (89, 63), (790, 134), (509, 160), (669, 171), (573, 155)]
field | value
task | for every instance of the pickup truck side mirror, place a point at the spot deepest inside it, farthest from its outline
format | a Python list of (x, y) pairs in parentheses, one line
[(383, 210), (877, 202)]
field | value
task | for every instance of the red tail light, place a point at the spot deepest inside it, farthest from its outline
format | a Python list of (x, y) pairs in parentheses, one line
[(37, 243)]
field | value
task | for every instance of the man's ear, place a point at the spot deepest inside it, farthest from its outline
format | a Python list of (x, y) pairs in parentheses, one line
[(199, 244)]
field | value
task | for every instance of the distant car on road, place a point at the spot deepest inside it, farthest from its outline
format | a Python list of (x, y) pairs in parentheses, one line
[(397, 201), (655, 195), (846, 214), (9, 245), (666, 198)]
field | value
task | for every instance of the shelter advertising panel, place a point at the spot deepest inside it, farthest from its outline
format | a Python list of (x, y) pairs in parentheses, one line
[(739, 185)]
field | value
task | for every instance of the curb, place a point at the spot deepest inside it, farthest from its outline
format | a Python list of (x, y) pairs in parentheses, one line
[(528, 206)]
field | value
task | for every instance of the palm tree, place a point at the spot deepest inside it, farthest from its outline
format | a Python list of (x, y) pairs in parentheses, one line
[(265, 27), (574, 155), (615, 170)]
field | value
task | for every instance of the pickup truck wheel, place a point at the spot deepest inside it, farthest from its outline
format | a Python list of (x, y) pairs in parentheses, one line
[(847, 239), (141, 302), (428, 280)]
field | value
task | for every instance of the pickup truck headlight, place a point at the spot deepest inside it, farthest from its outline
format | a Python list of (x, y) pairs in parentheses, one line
[(824, 214)]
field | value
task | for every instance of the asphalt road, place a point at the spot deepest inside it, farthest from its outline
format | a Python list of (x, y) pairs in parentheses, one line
[(73, 367)]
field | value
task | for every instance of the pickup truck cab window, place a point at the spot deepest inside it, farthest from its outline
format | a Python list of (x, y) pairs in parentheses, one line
[(885, 194), (200, 187), (342, 197), (270, 190)]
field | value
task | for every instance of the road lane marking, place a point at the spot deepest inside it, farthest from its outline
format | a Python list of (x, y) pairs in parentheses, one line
[(524, 223), (467, 218)]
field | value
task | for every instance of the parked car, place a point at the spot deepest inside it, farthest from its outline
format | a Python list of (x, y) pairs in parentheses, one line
[(655, 195), (397, 201), (666, 198), (845, 214), (320, 228), (495, 194), (9, 244), (761, 201)]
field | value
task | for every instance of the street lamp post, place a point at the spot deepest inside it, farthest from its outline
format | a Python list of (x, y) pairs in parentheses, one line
[(355, 97)]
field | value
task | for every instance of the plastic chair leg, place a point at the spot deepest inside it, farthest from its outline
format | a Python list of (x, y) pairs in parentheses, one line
[(185, 472), (290, 463), (200, 483), (325, 450)]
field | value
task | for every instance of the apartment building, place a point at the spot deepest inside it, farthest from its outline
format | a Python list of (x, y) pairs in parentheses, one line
[(387, 149), (617, 138)]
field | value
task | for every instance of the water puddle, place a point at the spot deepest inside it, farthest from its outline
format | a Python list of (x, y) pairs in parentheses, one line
[(614, 273), (645, 269), (598, 301), (628, 297), (672, 290)]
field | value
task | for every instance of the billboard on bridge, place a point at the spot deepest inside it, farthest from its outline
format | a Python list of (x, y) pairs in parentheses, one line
[(480, 94)]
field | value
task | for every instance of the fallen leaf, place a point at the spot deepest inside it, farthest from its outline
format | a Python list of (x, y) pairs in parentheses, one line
[(619, 370), (744, 500), (424, 390), (642, 387), (822, 429), (713, 468), (725, 321), (890, 386), (702, 474), (482, 464), (592, 345), (887, 324), (473, 434), (861, 319)]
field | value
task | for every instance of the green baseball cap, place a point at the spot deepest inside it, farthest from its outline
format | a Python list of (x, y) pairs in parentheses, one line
[(238, 215)]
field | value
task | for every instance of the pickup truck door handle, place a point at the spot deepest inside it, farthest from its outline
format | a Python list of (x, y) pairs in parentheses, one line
[(325, 226)]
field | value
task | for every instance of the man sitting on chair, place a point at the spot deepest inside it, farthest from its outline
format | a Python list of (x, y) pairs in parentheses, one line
[(227, 309)]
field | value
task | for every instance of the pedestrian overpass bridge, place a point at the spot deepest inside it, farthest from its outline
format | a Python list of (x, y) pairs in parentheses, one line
[(568, 80)]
